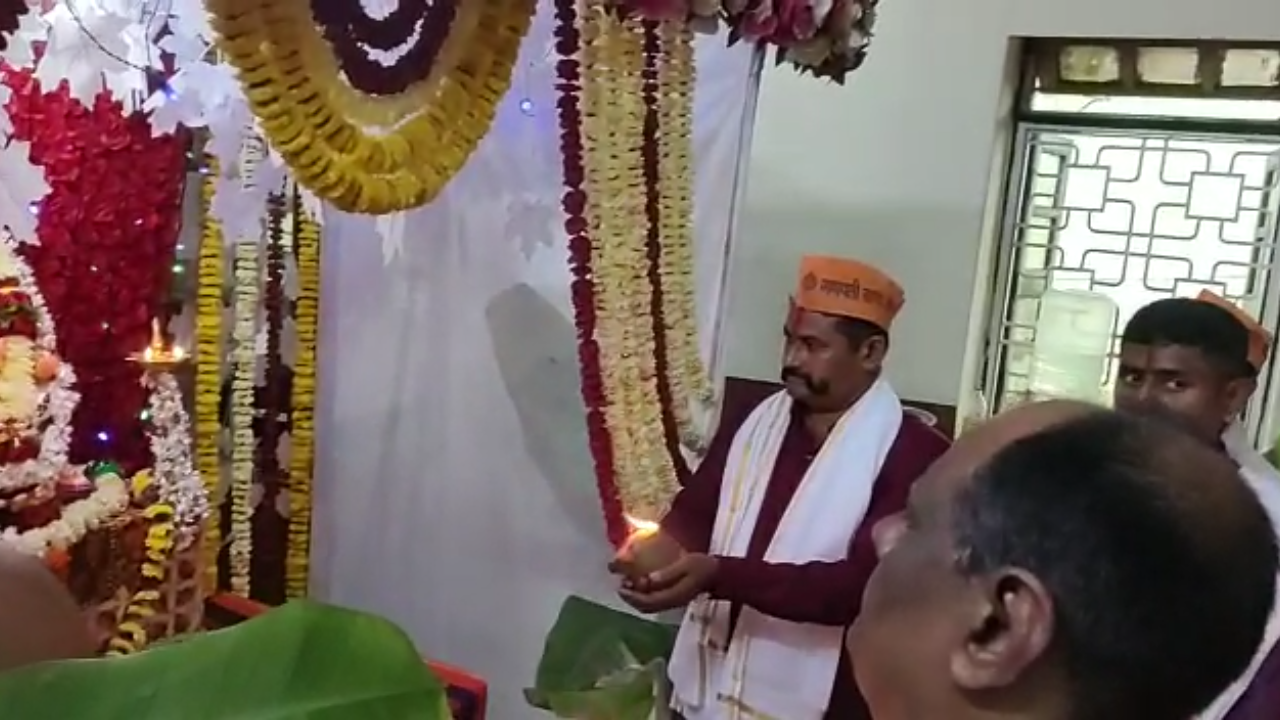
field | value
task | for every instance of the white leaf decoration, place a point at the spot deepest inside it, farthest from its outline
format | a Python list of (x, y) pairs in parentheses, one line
[(31, 28), (22, 185), (390, 228)]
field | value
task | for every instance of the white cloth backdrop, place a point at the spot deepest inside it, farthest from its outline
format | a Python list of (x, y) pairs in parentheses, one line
[(454, 489)]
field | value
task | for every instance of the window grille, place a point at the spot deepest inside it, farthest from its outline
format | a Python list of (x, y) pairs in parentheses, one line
[(1140, 170)]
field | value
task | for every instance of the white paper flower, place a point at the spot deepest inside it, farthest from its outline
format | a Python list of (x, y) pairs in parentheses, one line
[(93, 44), (22, 185), (31, 28), (237, 208), (185, 49), (390, 229), (189, 19)]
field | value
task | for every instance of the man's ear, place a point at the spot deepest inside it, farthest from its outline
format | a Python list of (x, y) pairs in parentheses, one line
[(1238, 393), (1011, 625), (873, 351)]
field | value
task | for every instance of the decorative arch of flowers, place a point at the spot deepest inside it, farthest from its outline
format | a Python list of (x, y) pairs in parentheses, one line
[(303, 104)]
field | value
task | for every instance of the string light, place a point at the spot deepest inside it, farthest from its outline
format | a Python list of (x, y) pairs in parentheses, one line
[(103, 436), (526, 107)]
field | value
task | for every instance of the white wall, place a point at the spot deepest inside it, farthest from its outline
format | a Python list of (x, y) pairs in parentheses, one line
[(895, 167)]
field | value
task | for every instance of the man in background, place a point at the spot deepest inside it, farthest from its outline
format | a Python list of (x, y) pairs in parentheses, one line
[(1064, 562), (1199, 359), (770, 542)]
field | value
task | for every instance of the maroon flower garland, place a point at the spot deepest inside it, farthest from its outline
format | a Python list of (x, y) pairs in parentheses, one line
[(653, 243), (349, 18), (574, 202), (371, 76), (272, 403), (107, 232)]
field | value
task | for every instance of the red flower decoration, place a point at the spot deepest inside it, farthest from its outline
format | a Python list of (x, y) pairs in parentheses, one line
[(569, 84), (107, 232)]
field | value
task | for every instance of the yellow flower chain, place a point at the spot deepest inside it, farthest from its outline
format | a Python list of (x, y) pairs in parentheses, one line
[(294, 89), (208, 383), (687, 374), (302, 435), (247, 281), (132, 635), (612, 123)]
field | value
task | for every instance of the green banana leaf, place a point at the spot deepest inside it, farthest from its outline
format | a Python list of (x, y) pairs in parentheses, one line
[(603, 664), (303, 661)]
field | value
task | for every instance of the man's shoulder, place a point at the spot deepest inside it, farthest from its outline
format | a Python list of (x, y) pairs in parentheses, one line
[(921, 435), (918, 445)]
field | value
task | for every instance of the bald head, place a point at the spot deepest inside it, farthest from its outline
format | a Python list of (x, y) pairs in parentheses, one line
[(39, 620)]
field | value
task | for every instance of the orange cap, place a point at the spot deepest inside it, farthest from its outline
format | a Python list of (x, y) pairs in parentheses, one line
[(1259, 337), (848, 288)]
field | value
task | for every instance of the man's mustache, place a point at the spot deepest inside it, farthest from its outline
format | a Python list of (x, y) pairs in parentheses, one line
[(810, 384)]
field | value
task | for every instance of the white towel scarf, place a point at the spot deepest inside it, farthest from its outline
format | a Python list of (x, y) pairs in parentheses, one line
[(774, 669), (1265, 483)]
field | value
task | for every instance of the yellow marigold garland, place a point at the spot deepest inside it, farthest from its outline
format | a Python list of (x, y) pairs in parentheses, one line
[(302, 433), (292, 88), (132, 636), (242, 437), (687, 373), (612, 124), (208, 382)]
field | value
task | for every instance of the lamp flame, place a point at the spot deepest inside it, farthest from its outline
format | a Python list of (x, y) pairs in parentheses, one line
[(641, 527)]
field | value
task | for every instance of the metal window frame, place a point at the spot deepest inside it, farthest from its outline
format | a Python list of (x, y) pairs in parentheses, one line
[(1262, 413)]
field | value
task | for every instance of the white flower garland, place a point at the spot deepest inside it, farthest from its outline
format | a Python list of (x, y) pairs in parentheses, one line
[(242, 441), (109, 499), (179, 484)]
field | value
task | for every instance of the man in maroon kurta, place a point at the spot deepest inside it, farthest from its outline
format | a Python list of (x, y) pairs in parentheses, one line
[(834, 351)]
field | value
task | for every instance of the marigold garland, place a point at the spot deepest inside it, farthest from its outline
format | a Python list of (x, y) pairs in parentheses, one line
[(612, 124), (302, 434), (242, 438), (272, 44), (160, 541), (208, 364)]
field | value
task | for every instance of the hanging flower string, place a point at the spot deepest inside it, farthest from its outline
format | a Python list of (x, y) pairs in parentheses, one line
[(271, 407), (581, 257), (650, 150), (178, 484), (208, 361), (242, 439), (160, 543), (692, 393), (612, 125), (302, 434)]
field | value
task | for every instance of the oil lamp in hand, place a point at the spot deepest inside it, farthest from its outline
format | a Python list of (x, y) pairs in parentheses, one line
[(647, 549), (159, 357)]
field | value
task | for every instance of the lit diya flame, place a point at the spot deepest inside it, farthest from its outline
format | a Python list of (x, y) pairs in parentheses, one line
[(641, 528), (641, 556), (156, 353)]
